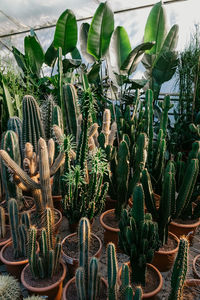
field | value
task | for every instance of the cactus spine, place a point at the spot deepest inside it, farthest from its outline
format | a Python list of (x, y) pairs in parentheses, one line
[(112, 270), (10, 144), (179, 270), (9, 288), (32, 128), (2, 223)]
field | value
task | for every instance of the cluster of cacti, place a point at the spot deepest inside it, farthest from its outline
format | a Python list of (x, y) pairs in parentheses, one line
[(124, 291), (19, 229), (46, 263), (10, 144), (85, 194), (108, 133), (179, 270), (9, 288), (2, 223), (138, 236), (32, 128)]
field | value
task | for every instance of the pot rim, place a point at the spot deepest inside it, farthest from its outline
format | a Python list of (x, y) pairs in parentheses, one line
[(76, 260), (194, 266), (72, 280), (192, 282), (155, 291), (105, 226), (173, 250), (8, 240), (43, 289), (8, 262), (193, 225)]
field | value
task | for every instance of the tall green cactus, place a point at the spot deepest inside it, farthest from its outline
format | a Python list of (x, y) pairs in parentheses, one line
[(180, 170), (2, 223), (166, 105), (46, 263), (149, 124), (47, 109), (18, 231), (179, 270), (32, 128), (10, 143), (15, 124), (112, 270), (138, 236)]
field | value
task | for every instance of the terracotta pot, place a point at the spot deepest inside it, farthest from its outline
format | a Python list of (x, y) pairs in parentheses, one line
[(109, 203), (13, 267), (184, 229), (53, 291), (150, 295), (194, 266), (8, 240), (194, 285), (110, 233), (57, 202), (164, 260), (73, 263), (71, 281), (193, 282), (74, 226)]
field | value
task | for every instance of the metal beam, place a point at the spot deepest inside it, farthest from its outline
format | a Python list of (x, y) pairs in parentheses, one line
[(88, 18)]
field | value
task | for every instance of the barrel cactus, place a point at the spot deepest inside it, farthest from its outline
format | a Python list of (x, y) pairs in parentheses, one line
[(9, 288)]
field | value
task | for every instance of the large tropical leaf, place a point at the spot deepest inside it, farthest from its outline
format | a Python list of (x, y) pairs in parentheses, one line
[(134, 57), (100, 31), (165, 67), (75, 54), (120, 48), (51, 55), (34, 54), (7, 100), (171, 39), (93, 73), (66, 32), (155, 29), (83, 42), (20, 59)]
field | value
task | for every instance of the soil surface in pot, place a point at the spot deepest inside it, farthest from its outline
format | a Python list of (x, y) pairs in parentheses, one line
[(191, 293), (37, 221), (151, 281), (41, 283), (71, 247), (8, 254), (7, 236), (171, 245), (72, 293), (185, 222), (111, 220)]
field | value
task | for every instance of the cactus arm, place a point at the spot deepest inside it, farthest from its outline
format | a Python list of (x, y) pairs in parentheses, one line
[(92, 288), (2, 222), (59, 161), (41, 270), (148, 191), (22, 239), (84, 234), (80, 283), (138, 294), (14, 224), (57, 255), (149, 124), (32, 251), (112, 269), (51, 151), (138, 204), (18, 171), (51, 263)]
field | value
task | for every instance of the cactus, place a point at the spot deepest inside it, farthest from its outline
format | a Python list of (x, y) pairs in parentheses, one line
[(195, 129), (179, 270), (10, 143), (149, 124), (180, 170), (138, 236), (138, 294), (47, 109), (9, 288), (15, 124), (164, 119), (2, 223), (46, 263), (70, 109), (32, 128), (18, 231), (112, 270)]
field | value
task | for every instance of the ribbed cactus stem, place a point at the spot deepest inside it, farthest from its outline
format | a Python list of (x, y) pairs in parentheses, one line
[(138, 294), (32, 256), (106, 125), (164, 119), (2, 223), (80, 284), (149, 124), (179, 270), (14, 224), (51, 151), (93, 279), (112, 135), (15, 124), (112, 270)]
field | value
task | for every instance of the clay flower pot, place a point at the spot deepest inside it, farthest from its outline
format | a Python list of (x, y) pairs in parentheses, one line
[(53, 291), (164, 260), (73, 263), (13, 267), (184, 229), (72, 281), (196, 261), (152, 294), (6, 239), (57, 202), (192, 286), (110, 233)]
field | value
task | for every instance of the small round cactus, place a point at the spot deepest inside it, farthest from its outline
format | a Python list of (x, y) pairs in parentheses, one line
[(9, 288)]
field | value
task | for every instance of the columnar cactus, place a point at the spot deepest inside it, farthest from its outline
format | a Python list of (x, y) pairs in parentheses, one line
[(18, 231), (9, 288), (166, 105), (179, 270), (138, 236), (32, 128), (112, 268), (46, 109), (46, 263), (10, 143), (149, 124), (180, 170), (2, 223), (15, 124)]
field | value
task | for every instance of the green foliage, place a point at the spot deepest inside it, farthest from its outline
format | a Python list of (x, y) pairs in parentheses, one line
[(179, 270), (9, 288), (46, 263), (138, 236)]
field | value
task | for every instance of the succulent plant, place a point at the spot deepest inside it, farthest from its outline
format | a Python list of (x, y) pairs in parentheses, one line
[(179, 270), (9, 288), (46, 263), (15, 124), (138, 236), (46, 110), (2, 223)]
